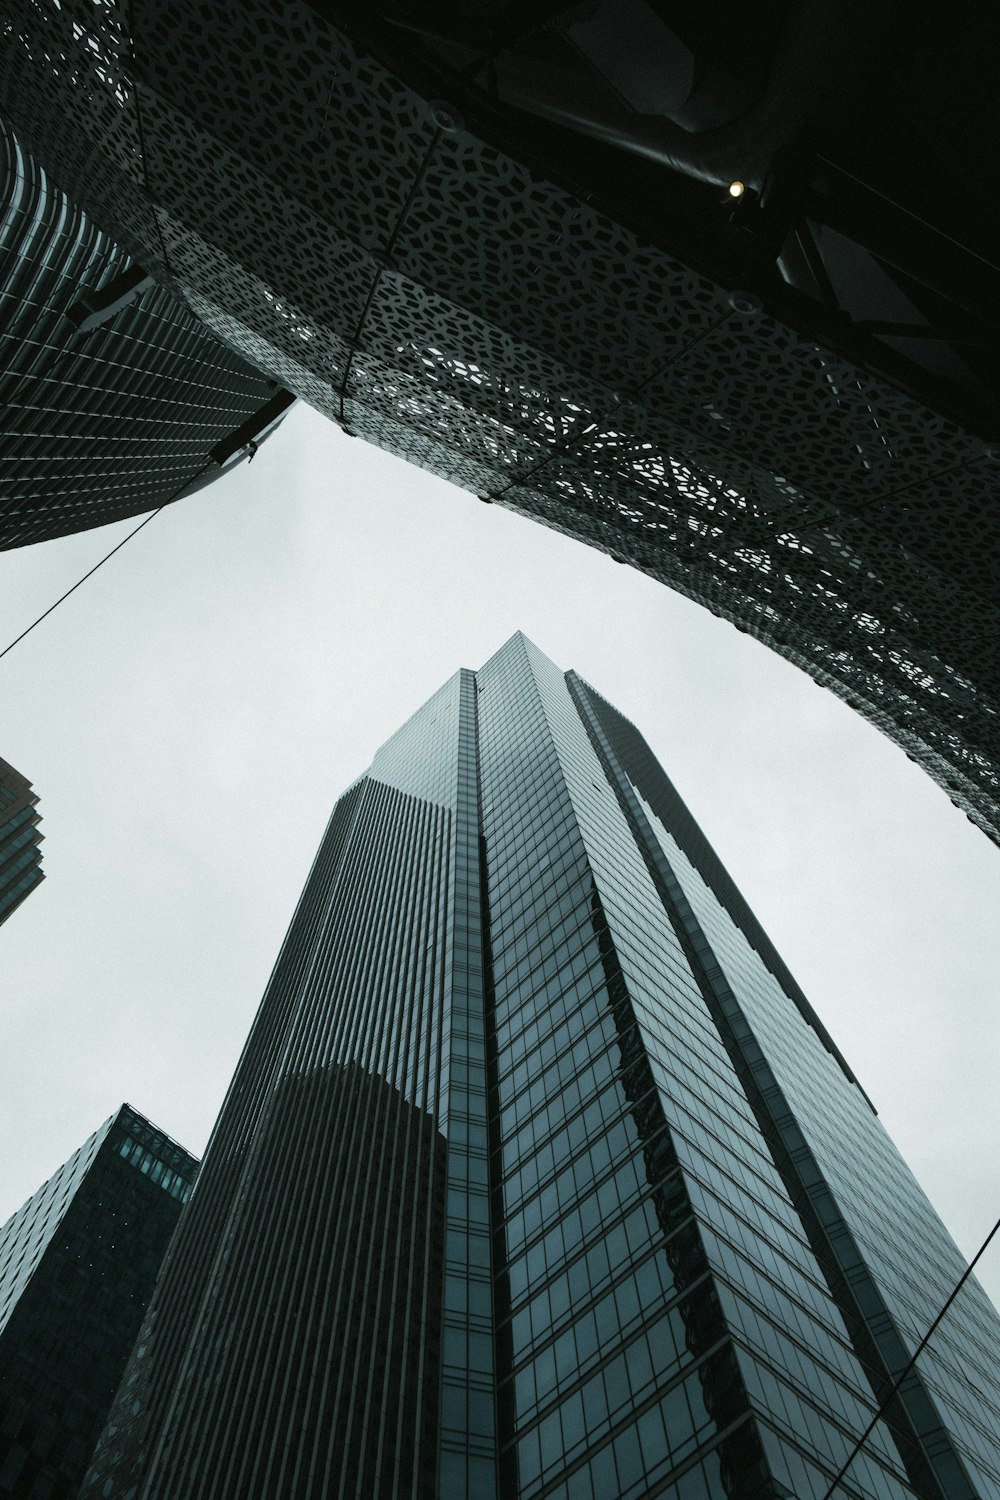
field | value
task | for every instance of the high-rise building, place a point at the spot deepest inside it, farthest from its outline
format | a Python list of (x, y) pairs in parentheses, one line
[(539, 1176), (77, 1266), (20, 840), (114, 397), (501, 243)]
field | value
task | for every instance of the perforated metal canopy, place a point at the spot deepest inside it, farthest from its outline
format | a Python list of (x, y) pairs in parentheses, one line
[(487, 319)]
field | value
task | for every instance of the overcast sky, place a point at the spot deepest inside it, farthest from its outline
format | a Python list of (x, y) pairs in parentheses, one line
[(189, 717)]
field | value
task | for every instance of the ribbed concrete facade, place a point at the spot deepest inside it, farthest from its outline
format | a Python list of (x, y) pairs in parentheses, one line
[(539, 1177)]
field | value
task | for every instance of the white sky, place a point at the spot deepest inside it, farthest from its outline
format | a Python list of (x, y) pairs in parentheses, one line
[(190, 716)]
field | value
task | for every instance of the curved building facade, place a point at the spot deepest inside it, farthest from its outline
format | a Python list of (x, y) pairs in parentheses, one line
[(481, 242), (113, 395)]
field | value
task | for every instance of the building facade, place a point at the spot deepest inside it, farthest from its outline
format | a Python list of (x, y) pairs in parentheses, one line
[(113, 395), (20, 840), (539, 1177), (506, 252), (77, 1266)]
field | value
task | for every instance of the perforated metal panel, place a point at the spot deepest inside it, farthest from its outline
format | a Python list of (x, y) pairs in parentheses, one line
[(447, 303)]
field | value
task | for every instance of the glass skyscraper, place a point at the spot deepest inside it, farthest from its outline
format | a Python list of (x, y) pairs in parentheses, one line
[(539, 1177), (77, 1267), (20, 840), (114, 398)]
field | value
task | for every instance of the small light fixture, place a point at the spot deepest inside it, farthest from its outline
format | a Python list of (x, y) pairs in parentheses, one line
[(445, 119), (737, 188), (747, 304)]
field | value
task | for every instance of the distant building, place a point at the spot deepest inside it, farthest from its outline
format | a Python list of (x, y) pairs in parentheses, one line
[(20, 840), (114, 398), (540, 1178), (77, 1267)]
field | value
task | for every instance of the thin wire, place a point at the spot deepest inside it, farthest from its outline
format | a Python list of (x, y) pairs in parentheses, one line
[(916, 1354), (152, 516), (900, 208)]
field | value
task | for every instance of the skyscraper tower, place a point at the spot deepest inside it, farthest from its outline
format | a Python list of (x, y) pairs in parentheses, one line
[(114, 397), (20, 840), (77, 1267), (539, 1176)]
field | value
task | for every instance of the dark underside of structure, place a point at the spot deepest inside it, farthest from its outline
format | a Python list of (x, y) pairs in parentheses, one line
[(710, 288)]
